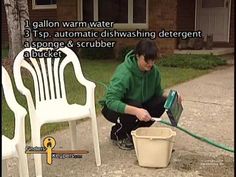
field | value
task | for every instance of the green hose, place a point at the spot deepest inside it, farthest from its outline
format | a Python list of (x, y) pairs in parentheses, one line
[(222, 146)]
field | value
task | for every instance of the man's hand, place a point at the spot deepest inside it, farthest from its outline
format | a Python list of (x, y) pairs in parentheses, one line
[(140, 113), (143, 115)]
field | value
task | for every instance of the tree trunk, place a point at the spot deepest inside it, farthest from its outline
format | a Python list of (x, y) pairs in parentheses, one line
[(24, 15), (13, 24), (16, 14)]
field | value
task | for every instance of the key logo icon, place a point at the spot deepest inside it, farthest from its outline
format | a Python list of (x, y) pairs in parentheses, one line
[(49, 143), (48, 148)]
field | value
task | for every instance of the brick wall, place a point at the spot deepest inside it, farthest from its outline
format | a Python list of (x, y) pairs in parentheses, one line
[(67, 10), (162, 15)]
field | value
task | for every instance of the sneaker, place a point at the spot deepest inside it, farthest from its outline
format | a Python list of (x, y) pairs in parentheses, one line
[(124, 144)]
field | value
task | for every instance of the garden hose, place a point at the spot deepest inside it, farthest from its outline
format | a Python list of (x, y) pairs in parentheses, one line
[(204, 139)]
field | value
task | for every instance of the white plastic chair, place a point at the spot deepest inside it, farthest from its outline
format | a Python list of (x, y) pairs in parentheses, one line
[(14, 147), (51, 104)]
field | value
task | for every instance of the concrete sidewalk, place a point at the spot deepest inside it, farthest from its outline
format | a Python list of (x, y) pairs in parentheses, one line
[(208, 103)]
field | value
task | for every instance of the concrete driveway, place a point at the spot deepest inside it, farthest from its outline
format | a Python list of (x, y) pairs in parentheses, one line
[(208, 103)]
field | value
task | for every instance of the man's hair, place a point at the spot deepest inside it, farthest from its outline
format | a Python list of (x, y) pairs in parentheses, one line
[(147, 48)]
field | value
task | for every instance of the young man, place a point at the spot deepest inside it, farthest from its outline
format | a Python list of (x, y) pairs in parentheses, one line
[(134, 94)]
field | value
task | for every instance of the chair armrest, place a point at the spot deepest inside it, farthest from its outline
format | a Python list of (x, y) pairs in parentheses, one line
[(90, 86), (90, 92)]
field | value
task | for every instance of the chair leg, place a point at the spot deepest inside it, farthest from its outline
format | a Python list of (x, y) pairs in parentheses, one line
[(23, 163), (95, 139), (37, 157), (4, 168), (73, 133)]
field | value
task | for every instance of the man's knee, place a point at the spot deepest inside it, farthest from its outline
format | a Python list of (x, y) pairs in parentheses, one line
[(155, 106), (110, 115)]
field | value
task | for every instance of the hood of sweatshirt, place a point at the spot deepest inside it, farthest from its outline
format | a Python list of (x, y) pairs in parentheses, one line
[(132, 65)]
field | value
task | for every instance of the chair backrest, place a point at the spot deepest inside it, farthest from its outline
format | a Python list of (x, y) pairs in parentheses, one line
[(18, 110), (47, 73)]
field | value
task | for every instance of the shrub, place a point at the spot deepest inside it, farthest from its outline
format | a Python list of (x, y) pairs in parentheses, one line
[(124, 51), (192, 61), (97, 53)]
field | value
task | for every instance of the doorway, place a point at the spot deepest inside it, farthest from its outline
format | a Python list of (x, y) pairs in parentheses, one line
[(213, 17)]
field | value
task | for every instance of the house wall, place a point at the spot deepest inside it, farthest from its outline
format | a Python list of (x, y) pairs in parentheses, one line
[(67, 10), (163, 15)]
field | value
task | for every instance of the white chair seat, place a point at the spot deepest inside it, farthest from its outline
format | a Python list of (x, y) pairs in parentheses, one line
[(60, 111), (8, 148)]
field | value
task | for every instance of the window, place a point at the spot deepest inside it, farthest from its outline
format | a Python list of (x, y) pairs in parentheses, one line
[(115, 11), (88, 10), (44, 4), (139, 11), (125, 13)]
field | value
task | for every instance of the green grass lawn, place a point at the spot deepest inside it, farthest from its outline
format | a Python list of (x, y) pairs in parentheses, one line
[(4, 53), (95, 70)]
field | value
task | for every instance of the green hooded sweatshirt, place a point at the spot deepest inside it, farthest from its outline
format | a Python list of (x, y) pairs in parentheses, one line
[(129, 82)]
